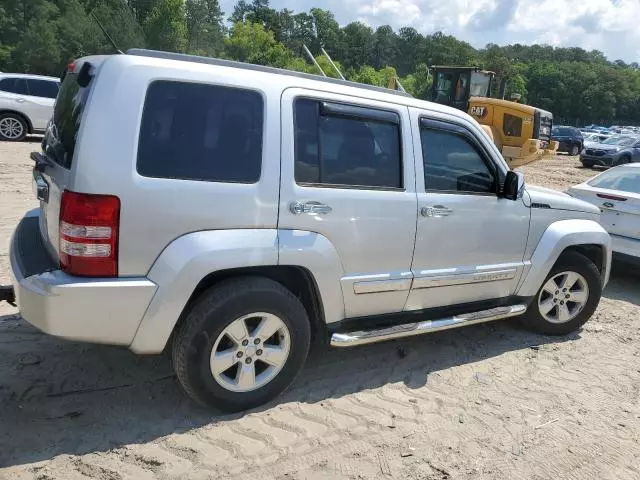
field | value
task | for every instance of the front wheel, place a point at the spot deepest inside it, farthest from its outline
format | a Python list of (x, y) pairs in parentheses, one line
[(567, 298), (575, 150), (242, 344)]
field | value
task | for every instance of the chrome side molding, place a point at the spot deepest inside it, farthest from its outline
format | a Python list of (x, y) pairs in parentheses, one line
[(352, 339)]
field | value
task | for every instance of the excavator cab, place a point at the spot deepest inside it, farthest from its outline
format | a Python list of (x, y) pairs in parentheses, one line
[(453, 86)]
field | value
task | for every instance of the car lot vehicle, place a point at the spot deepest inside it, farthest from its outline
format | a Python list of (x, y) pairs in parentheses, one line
[(570, 139), (26, 104), (244, 211), (617, 193), (615, 150), (591, 139)]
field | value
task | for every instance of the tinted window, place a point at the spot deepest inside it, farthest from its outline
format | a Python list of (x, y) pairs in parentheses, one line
[(623, 179), (201, 132), (14, 85), (60, 139), (452, 164), (42, 88), (512, 126), (346, 150)]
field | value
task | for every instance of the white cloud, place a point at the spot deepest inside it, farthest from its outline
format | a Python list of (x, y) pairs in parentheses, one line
[(607, 25)]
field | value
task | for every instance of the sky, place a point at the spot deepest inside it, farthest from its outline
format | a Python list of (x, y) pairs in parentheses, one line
[(611, 26)]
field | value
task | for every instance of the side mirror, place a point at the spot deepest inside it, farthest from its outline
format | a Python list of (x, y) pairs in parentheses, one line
[(513, 185)]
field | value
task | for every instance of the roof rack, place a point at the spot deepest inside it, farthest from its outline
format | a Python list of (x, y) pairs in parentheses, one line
[(141, 52)]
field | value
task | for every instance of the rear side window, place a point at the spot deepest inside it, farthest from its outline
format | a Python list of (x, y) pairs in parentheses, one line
[(42, 88), (343, 145), (192, 131), (14, 85)]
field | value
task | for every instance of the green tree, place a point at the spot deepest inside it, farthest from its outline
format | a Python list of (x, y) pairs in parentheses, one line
[(251, 43), (205, 28), (166, 26)]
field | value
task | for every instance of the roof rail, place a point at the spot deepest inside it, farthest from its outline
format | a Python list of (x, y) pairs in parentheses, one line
[(141, 52)]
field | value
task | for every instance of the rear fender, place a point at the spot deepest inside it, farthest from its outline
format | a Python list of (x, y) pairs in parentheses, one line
[(186, 261), (557, 238)]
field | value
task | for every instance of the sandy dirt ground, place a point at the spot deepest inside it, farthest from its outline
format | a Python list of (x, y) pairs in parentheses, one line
[(484, 402)]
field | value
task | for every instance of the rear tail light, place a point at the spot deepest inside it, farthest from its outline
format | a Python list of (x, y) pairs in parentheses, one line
[(612, 197), (89, 234)]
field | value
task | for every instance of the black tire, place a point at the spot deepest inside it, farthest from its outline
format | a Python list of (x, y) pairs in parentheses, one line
[(586, 164), (14, 117), (624, 159), (575, 150), (573, 262), (212, 312)]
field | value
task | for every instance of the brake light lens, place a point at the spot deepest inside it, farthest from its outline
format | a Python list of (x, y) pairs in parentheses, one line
[(89, 234), (612, 197)]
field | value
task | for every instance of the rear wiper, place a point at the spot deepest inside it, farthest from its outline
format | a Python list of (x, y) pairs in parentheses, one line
[(41, 160)]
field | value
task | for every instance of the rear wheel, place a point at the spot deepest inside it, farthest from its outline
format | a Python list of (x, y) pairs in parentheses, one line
[(567, 298), (242, 344), (13, 127)]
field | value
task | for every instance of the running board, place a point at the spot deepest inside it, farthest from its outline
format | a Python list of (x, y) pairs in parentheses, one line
[(352, 339)]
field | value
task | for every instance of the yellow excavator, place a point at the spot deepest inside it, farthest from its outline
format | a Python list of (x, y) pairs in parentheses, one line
[(521, 132)]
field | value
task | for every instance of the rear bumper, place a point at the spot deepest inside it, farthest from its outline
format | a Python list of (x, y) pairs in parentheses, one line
[(625, 247), (532, 151), (86, 309)]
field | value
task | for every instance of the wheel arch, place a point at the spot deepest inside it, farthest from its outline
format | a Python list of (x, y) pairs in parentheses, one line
[(583, 236), (298, 280)]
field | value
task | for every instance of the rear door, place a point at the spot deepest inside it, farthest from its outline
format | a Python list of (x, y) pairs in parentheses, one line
[(52, 175), (42, 95), (348, 176)]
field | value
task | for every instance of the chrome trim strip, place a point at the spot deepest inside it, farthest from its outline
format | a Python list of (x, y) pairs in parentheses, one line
[(352, 339), (430, 281), (377, 286)]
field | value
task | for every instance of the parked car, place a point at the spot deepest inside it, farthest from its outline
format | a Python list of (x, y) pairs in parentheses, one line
[(615, 150), (26, 104), (569, 138), (591, 139), (244, 210), (617, 193)]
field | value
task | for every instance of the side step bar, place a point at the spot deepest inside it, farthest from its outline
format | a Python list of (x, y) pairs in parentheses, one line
[(352, 339)]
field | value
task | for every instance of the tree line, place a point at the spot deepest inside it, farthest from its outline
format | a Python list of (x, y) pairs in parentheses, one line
[(578, 86)]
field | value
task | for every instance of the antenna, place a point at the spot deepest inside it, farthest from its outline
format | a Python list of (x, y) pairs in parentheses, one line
[(314, 60), (331, 62), (113, 44)]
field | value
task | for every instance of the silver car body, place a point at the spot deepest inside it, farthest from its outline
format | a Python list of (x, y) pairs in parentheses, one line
[(377, 251), (36, 109)]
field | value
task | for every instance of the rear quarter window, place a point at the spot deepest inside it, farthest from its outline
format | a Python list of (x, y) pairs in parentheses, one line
[(201, 132)]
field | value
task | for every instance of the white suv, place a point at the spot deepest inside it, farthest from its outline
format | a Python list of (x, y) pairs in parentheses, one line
[(232, 212), (26, 104)]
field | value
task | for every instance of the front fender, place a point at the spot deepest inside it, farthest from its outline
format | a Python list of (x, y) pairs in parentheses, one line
[(184, 263), (557, 237)]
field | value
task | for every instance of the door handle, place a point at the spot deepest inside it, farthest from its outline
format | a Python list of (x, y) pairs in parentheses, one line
[(435, 211), (310, 208), (20, 100)]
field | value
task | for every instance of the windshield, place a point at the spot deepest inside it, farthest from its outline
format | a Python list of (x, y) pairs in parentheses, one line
[(622, 140), (480, 84), (622, 179)]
